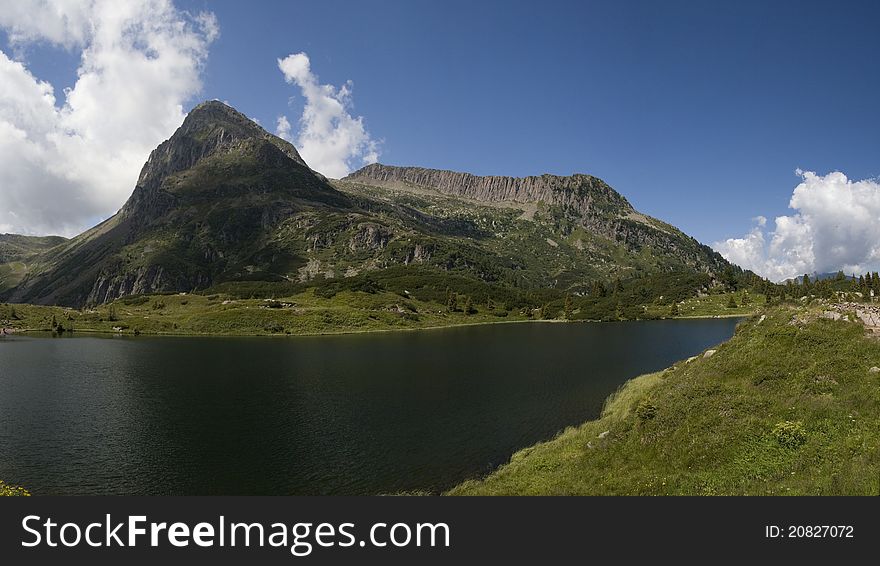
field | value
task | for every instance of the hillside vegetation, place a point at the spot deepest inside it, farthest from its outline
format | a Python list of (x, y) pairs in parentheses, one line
[(392, 299), (789, 406), (17, 253)]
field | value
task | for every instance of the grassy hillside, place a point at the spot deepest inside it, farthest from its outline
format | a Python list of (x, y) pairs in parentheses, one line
[(16, 253), (788, 406)]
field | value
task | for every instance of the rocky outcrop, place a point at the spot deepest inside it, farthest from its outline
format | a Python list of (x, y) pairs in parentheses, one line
[(152, 279), (370, 236), (579, 192), (867, 314)]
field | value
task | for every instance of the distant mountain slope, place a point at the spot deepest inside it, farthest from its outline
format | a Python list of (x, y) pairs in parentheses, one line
[(225, 202), (571, 203), (16, 252)]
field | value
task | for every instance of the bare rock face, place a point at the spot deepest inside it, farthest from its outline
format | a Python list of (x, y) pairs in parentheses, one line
[(151, 279), (582, 193), (370, 236), (210, 128)]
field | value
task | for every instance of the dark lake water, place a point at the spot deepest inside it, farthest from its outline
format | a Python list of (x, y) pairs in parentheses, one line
[(356, 414)]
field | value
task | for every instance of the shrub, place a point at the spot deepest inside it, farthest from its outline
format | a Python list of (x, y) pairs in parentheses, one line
[(469, 306), (134, 300), (12, 490), (790, 434), (646, 410)]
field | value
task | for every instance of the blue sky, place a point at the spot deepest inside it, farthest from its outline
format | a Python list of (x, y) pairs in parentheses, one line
[(698, 112)]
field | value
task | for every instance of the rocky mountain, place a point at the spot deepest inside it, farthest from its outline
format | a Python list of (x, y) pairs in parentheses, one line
[(17, 252), (581, 193), (225, 202), (583, 200)]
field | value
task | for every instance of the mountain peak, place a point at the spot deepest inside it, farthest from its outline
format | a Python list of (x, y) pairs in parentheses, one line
[(209, 127), (213, 113)]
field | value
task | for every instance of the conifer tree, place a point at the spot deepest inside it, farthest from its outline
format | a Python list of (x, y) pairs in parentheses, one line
[(452, 302), (544, 314), (468, 306)]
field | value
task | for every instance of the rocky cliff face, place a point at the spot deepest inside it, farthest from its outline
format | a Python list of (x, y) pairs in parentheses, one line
[(582, 193)]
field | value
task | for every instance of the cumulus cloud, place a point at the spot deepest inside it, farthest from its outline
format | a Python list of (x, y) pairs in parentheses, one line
[(330, 139), (69, 160), (836, 225)]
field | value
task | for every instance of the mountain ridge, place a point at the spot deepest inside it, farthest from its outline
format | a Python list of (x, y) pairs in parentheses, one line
[(579, 189)]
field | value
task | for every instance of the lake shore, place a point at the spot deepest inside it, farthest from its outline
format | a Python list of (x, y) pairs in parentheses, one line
[(341, 332), (308, 314), (733, 421), (276, 412)]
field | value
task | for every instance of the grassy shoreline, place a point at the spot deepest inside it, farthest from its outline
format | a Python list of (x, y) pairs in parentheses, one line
[(347, 332), (788, 406), (301, 315), (341, 332)]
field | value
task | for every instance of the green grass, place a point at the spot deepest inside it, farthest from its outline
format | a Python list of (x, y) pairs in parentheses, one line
[(404, 297), (783, 408), (323, 310), (218, 314), (11, 274), (709, 306)]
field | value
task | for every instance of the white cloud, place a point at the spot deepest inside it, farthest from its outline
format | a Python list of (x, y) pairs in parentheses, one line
[(330, 139), (282, 128), (836, 225), (65, 166)]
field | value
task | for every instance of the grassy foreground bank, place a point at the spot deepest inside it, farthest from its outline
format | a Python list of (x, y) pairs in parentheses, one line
[(789, 405)]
